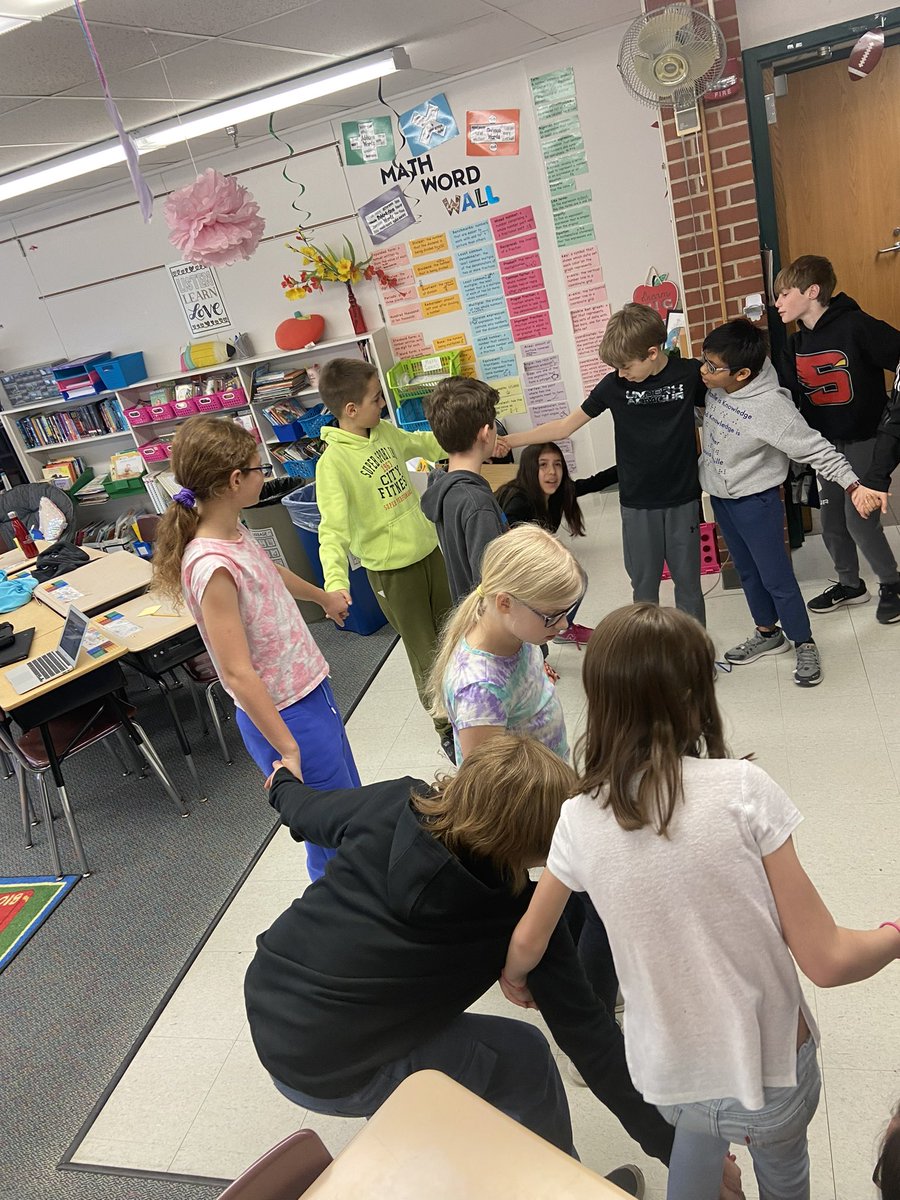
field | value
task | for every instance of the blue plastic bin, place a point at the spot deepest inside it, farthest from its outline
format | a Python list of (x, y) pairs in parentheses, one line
[(365, 615), (122, 370)]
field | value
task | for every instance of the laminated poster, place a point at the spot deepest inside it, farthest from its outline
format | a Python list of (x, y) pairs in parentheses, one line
[(367, 141), (387, 215), (554, 86), (492, 133), (429, 124)]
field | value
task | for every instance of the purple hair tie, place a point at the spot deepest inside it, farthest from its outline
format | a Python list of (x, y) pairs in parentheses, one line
[(185, 498)]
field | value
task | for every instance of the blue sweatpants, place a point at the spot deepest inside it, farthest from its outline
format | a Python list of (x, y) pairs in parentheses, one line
[(753, 528), (325, 755)]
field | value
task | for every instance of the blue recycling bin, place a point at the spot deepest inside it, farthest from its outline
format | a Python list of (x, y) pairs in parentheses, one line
[(365, 615)]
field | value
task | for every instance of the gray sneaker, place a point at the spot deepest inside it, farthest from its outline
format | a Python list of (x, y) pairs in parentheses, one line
[(757, 646), (808, 672)]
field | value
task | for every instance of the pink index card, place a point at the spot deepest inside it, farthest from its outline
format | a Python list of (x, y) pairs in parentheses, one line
[(402, 314), (527, 302), (526, 244), (522, 262), (533, 326), (407, 345), (513, 223), (524, 281)]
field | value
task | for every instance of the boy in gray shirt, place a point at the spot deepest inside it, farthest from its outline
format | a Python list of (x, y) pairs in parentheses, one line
[(463, 414), (751, 432)]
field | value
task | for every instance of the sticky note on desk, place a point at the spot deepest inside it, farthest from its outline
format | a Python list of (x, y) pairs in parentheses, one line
[(149, 612)]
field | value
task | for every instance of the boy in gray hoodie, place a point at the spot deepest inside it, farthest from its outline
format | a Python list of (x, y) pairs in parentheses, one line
[(751, 432), (463, 414)]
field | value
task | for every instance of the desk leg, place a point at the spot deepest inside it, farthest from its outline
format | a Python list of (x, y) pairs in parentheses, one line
[(147, 749), (28, 816), (48, 823), (181, 735), (63, 798)]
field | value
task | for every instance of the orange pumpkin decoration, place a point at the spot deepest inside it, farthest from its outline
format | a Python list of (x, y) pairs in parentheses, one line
[(298, 331)]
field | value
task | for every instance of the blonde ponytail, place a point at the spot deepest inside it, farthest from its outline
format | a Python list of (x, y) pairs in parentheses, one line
[(528, 564)]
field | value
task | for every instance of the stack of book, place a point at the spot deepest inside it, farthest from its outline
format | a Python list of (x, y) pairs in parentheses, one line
[(161, 487), (73, 424), (272, 385), (301, 451), (64, 471)]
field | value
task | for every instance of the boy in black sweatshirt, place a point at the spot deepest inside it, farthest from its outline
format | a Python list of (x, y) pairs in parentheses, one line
[(463, 416), (838, 357)]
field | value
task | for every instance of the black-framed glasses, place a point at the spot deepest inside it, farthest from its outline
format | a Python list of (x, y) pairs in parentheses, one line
[(551, 619), (265, 469), (712, 368)]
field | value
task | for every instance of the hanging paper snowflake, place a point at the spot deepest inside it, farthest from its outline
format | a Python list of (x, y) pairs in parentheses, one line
[(214, 221)]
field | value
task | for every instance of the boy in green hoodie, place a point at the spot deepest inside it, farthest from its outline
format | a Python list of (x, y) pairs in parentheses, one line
[(369, 508)]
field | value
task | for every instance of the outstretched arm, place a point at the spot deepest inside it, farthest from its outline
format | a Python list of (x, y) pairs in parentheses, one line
[(826, 953), (531, 936), (552, 431)]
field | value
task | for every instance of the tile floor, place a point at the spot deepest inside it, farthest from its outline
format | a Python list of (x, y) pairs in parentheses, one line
[(196, 1101)]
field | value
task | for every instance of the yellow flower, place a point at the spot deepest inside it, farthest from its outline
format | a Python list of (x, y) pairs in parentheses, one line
[(355, 275), (295, 293), (343, 267)]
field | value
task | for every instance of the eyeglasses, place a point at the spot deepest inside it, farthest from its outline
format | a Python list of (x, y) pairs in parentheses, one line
[(551, 619), (712, 368), (265, 469)]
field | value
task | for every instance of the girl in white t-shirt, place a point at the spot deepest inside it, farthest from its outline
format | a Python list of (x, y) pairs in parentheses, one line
[(688, 857), (244, 607)]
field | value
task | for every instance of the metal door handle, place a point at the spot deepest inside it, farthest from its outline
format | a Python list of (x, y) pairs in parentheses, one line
[(890, 249)]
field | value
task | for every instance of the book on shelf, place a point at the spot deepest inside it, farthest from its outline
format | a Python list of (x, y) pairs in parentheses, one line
[(128, 465), (72, 424), (64, 470)]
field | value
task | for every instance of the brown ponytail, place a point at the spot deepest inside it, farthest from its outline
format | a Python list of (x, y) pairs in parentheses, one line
[(204, 453)]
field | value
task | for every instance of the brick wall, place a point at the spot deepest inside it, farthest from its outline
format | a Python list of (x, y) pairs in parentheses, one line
[(733, 198)]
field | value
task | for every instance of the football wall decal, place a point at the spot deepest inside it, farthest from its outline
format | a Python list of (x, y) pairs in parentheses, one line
[(866, 54)]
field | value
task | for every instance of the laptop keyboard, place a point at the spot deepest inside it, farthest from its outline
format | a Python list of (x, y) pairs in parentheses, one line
[(49, 665)]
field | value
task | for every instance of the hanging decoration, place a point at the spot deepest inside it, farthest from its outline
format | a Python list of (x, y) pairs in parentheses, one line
[(866, 53), (214, 221), (326, 265), (141, 188)]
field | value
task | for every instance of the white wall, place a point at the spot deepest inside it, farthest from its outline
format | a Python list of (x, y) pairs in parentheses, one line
[(43, 255), (763, 21)]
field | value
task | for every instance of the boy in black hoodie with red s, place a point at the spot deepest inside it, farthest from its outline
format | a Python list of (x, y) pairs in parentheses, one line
[(838, 357)]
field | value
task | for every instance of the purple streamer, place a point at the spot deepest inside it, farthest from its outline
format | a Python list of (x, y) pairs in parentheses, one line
[(141, 188)]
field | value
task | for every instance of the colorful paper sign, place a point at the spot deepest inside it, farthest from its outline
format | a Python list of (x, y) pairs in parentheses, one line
[(553, 85), (367, 141), (391, 257), (386, 215), (526, 244), (476, 287), (542, 370), (511, 224), (563, 170), (494, 342), (536, 348), (428, 124), (524, 281), (470, 235), (522, 262), (581, 268), (477, 309), (546, 110), (437, 286), (433, 265), (492, 132), (512, 399), (409, 345), (402, 314), (476, 259), (534, 325), (592, 319), (527, 302), (451, 342), (433, 244), (441, 306), (502, 366)]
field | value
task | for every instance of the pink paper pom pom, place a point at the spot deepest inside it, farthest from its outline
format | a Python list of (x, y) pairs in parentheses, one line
[(214, 221)]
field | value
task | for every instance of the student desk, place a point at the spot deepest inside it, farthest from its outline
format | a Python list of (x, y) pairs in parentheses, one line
[(434, 1140), (15, 560), (100, 583), (497, 474), (162, 641)]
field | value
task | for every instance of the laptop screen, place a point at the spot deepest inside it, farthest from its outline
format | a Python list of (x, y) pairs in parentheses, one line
[(73, 632)]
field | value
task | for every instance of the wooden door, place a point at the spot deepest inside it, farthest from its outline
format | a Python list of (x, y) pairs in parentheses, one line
[(836, 168)]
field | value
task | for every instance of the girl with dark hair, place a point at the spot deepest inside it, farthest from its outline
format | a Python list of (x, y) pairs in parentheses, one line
[(544, 493), (887, 1169), (688, 857), (244, 607)]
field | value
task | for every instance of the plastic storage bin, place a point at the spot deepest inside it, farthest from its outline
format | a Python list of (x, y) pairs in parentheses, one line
[(211, 403), (232, 397), (154, 452), (122, 370), (365, 616), (414, 378), (184, 408), (709, 553), (315, 420), (162, 412), (139, 415), (411, 416), (273, 529)]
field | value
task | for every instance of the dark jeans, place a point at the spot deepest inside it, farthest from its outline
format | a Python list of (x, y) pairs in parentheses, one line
[(753, 528), (589, 934), (505, 1061)]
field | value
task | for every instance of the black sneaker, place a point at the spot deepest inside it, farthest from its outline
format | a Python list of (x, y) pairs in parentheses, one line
[(888, 610), (630, 1179), (448, 747), (838, 595)]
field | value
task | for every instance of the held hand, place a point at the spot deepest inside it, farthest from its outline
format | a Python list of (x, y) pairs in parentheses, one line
[(867, 501), (501, 448), (290, 761), (336, 605), (516, 993), (731, 1180)]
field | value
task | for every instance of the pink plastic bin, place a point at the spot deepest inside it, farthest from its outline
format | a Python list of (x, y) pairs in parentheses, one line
[(154, 452), (709, 552), (162, 412), (139, 415), (208, 403), (185, 408)]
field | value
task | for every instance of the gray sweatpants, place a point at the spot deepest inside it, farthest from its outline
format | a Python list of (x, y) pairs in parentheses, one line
[(653, 536), (844, 530)]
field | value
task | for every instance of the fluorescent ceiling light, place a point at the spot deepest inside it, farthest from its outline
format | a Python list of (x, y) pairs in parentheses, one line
[(207, 120)]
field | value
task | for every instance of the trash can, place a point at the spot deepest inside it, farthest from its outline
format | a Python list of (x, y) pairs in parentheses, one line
[(365, 615), (271, 527)]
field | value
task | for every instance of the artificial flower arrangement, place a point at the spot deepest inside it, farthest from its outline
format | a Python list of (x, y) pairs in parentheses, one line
[(326, 265)]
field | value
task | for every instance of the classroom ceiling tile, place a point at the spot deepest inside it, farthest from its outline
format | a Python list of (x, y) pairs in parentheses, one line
[(477, 43), (80, 121), (348, 28), (565, 15), (206, 18)]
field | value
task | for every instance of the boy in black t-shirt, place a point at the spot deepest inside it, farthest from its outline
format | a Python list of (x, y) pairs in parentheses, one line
[(836, 367), (651, 399)]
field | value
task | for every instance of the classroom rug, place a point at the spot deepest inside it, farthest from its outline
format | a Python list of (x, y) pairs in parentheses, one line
[(26, 901)]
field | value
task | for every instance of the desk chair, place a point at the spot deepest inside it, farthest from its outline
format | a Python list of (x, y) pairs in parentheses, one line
[(284, 1172), (25, 501), (52, 732)]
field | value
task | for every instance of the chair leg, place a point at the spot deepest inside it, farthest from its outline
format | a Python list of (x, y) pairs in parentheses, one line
[(201, 716), (48, 823), (131, 752), (7, 764), (217, 724), (182, 736), (56, 769), (148, 750), (25, 807), (116, 757)]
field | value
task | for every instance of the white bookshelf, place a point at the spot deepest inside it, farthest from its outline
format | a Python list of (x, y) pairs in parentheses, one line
[(96, 450)]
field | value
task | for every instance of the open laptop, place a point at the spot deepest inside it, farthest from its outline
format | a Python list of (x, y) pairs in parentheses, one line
[(55, 662)]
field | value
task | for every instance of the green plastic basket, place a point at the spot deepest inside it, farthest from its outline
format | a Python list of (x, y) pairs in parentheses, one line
[(414, 378), (121, 487)]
